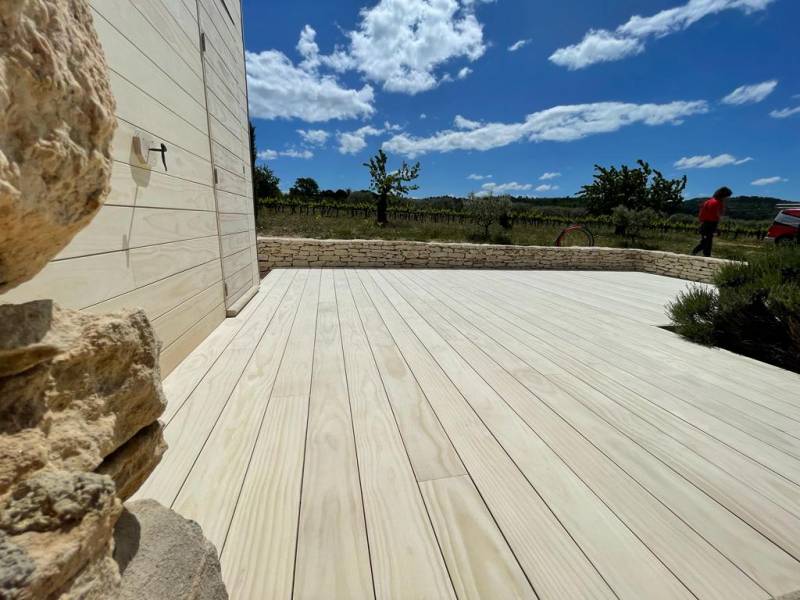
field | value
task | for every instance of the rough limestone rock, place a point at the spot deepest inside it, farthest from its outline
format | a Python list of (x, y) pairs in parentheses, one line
[(52, 526), (56, 126), (131, 465), (80, 396), (162, 555), (98, 384)]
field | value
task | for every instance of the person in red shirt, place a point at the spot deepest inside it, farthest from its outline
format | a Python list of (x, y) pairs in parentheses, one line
[(710, 215)]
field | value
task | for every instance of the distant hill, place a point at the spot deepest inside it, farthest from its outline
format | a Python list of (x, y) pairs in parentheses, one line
[(756, 208)]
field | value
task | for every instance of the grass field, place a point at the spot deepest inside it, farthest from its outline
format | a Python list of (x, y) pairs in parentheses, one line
[(297, 225)]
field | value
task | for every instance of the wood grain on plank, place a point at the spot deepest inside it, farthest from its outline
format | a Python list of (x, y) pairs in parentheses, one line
[(430, 451), (225, 456), (135, 106), (551, 559), (145, 72), (173, 324), (146, 188), (333, 559), (164, 295), (605, 539), (480, 562), (184, 379), (188, 430), (174, 354), (182, 164), (125, 228), (181, 62), (395, 511), (82, 282), (259, 553), (702, 567)]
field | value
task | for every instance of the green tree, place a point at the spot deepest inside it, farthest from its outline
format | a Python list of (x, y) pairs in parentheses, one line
[(305, 187), (385, 184), (488, 210), (265, 183), (253, 154), (634, 188)]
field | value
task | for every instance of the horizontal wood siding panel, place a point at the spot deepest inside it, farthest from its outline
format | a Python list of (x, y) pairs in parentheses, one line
[(82, 282), (211, 19), (134, 186), (233, 203), (226, 99), (170, 326), (136, 107), (172, 355), (232, 183), (122, 228), (228, 117), (164, 295), (180, 162), (234, 143), (184, 17), (140, 69), (230, 223), (227, 160), (181, 62), (236, 242), (237, 261)]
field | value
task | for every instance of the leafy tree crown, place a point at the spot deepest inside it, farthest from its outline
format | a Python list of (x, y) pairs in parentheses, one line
[(635, 188), (396, 183)]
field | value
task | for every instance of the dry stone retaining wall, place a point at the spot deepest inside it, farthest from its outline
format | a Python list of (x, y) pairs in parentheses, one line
[(275, 253)]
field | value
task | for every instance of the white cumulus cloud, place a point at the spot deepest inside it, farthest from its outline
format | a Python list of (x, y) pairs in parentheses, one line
[(548, 176), (518, 45), (315, 137), (768, 181), (291, 153), (476, 177), (503, 188), (464, 123), (710, 162), (601, 45), (546, 187), (400, 44), (751, 94), (558, 124), (784, 113), (353, 142), (279, 89)]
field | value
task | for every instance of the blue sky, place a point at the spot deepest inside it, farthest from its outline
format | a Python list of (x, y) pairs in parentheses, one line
[(525, 96)]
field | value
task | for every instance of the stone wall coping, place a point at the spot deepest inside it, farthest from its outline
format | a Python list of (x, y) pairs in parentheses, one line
[(279, 252)]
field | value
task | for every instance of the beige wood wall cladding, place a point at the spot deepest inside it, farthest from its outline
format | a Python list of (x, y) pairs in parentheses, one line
[(226, 98), (168, 240)]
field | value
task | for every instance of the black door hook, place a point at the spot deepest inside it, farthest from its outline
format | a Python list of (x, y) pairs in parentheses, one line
[(163, 151)]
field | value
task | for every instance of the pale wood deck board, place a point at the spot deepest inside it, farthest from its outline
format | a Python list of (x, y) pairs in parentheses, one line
[(481, 434), (480, 561), (332, 551), (607, 542), (259, 553), (188, 431), (227, 452), (679, 544), (551, 559), (608, 383), (738, 418), (395, 511), (674, 352)]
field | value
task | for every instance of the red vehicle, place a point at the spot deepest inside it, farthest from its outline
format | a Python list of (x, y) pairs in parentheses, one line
[(786, 227)]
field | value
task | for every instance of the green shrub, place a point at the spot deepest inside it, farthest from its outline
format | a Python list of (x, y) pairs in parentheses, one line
[(754, 311)]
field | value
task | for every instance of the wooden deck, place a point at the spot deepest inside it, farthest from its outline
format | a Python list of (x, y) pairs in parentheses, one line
[(482, 434)]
